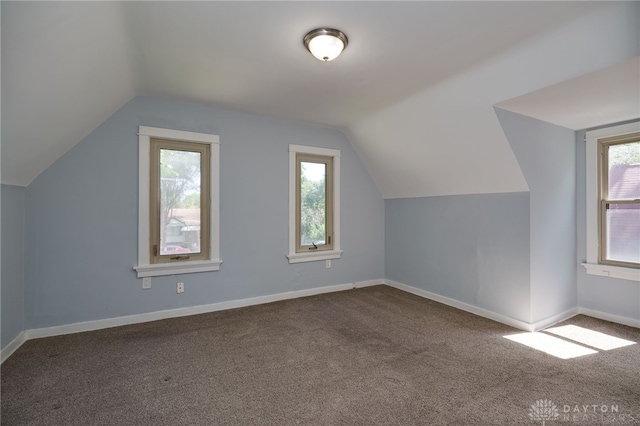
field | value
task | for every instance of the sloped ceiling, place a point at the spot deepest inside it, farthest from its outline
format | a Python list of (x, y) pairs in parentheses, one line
[(612, 93), (66, 67), (414, 90)]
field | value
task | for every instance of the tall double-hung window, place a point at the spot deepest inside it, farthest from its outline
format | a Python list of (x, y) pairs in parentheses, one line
[(619, 217), (613, 201)]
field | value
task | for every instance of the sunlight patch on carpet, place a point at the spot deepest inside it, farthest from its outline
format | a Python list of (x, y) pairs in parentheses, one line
[(592, 338), (551, 345)]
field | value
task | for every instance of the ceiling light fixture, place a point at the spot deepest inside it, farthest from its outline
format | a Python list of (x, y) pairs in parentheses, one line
[(325, 43)]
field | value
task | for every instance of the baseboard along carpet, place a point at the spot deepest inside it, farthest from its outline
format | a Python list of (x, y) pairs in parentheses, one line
[(370, 356)]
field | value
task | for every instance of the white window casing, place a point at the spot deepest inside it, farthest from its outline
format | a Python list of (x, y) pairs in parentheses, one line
[(336, 252), (592, 264), (145, 268)]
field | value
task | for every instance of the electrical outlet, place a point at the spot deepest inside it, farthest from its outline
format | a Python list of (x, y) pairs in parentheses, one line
[(327, 263), (146, 282), (180, 288)]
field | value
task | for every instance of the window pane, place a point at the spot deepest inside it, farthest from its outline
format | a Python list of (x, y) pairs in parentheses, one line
[(624, 171), (313, 194), (180, 178), (623, 232)]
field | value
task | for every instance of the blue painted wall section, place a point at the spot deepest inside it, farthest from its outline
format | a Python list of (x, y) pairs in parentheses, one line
[(81, 221), (12, 264), (471, 248), (546, 154), (515, 254)]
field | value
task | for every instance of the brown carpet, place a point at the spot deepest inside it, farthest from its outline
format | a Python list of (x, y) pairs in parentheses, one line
[(372, 356)]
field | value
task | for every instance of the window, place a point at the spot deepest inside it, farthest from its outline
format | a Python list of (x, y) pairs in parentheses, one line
[(178, 212), (179, 177), (613, 202), (619, 220), (314, 204)]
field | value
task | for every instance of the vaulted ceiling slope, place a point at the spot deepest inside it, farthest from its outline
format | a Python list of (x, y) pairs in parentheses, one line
[(414, 90)]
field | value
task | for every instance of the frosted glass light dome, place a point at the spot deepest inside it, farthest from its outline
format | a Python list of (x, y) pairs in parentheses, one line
[(325, 44)]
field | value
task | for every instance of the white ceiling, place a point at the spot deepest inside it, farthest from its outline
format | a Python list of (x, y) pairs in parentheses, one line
[(414, 90)]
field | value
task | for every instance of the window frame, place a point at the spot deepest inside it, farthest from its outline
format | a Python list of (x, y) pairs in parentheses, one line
[(328, 162), (157, 145), (145, 267), (297, 253), (594, 204), (605, 200)]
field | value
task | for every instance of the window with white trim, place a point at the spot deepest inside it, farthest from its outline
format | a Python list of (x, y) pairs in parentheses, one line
[(179, 188), (613, 202), (178, 206), (314, 204)]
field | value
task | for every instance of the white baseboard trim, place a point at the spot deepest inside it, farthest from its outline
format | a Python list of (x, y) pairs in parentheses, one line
[(522, 325), (368, 283), (631, 322), (180, 312), (554, 319), (8, 350), (12, 346), (166, 314)]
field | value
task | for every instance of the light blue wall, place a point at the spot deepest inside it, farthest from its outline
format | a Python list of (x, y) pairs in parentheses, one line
[(513, 254), (12, 264), (82, 218), (608, 295), (471, 248), (546, 155)]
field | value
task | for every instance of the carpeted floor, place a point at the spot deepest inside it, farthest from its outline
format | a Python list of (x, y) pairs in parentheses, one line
[(372, 356)]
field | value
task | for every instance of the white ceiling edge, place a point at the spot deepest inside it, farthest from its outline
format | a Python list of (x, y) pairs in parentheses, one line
[(602, 97), (69, 68), (447, 140)]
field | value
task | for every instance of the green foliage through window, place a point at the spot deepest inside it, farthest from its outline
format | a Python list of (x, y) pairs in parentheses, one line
[(626, 153), (179, 180), (313, 204)]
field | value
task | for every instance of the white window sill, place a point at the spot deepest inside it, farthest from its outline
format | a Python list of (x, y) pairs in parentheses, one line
[(159, 269), (318, 255), (612, 271)]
